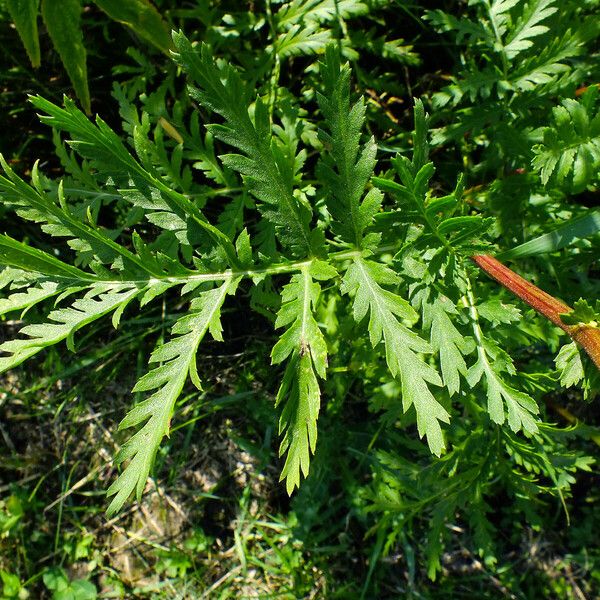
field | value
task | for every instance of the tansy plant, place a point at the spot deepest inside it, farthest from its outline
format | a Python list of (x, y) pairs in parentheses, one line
[(278, 208)]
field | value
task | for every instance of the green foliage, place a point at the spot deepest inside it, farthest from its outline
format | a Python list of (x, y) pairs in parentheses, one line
[(270, 205), (114, 276), (177, 359), (508, 30), (57, 581), (24, 14), (387, 311), (571, 146), (11, 586), (268, 172), (583, 313), (521, 55), (300, 24), (305, 347), (63, 23), (582, 227), (463, 481), (119, 275), (141, 17), (346, 167)]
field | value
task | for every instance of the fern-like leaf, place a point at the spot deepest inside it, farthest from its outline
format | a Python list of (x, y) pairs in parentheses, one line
[(520, 407), (33, 203), (105, 149), (265, 171), (303, 343), (317, 11), (30, 297), (301, 41), (347, 168), (178, 359), (386, 310), (65, 322), (448, 342), (529, 26), (571, 145), (23, 257)]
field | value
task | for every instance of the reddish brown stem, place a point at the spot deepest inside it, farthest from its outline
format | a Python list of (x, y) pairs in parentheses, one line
[(582, 90), (586, 336)]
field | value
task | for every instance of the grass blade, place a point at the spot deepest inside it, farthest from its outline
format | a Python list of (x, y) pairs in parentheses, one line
[(575, 229)]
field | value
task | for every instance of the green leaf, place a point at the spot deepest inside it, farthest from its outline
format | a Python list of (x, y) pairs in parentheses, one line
[(20, 255), (63, 22), (30, 297), (520, 47), (545, 66), (582, 227), (25, 13), (299, 41), (583, 313), (265, 171), (496, 312), (348, 165), (82, 590), (568, 362), (420, 142), (445, 22), (56, 580), (32, 203), (304, 344), (11, 585), (142, 18), (178, 359), (65, 322), (520, 407), (301, 396), (528, 26), (99, 143), (571, 145), (402, 346), (317, 11), (449, 343)]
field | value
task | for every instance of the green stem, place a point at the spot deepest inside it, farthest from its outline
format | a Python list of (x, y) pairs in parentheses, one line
[(275, 73), (499, 42), (469, 301)]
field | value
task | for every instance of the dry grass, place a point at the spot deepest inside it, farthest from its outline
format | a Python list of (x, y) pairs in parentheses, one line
[(60, 439)]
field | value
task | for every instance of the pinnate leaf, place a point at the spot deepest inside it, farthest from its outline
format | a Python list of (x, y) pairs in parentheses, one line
[(177, 358), (571, 145), (568, 362), (65, 322), (402, 346), (348, 165), (449, 343), (520, 407), (219, 88), (529, 26), (303, 343)]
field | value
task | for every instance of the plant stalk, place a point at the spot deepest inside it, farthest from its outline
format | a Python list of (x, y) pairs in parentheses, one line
[(587, 336)]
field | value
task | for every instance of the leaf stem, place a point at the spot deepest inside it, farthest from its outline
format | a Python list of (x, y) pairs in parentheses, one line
[(545, 304)]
